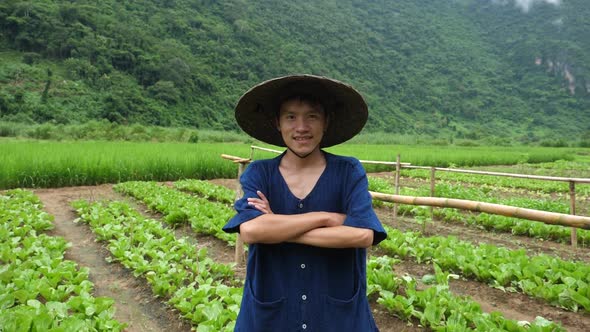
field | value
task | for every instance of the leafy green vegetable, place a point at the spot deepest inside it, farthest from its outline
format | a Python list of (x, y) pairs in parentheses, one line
[(39, 289)]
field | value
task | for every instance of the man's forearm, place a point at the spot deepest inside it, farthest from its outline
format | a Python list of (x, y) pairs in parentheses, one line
[(277, 228), (337, 237)]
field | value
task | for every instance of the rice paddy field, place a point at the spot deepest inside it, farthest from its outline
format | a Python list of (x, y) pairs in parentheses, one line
[(121, 236), (46, 164)]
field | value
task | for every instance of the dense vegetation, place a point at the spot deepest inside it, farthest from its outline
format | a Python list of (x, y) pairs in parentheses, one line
[(434, 306), (41, 290), (449, 69), (46, 164)]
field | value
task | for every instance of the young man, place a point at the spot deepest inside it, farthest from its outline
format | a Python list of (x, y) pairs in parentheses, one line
[(306, 214)]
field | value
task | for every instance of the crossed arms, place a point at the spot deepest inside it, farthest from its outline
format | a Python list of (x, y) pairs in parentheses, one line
[(320, 229)]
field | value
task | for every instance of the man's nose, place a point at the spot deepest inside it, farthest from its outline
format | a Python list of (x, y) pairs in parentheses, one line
[(301, 124)]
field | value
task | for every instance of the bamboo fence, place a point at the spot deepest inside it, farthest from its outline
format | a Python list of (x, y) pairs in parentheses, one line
[(572, 186), (552, 218), (569, 220)]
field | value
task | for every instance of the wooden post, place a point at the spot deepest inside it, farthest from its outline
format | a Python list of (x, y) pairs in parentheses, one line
[(398, 168), (574, 234), (240, 256), (432, 189)]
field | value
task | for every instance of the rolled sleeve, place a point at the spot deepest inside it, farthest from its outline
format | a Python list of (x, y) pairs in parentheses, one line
[(359, 207), (251, 181)]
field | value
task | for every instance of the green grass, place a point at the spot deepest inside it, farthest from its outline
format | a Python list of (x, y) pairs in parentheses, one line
[(448, 156), (38, 163), (58, 164), (455, 156)]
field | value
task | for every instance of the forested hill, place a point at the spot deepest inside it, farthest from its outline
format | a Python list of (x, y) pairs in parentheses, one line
[(452, 68)]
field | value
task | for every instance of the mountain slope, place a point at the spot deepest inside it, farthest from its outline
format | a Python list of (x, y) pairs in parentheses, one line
[(452, 69)]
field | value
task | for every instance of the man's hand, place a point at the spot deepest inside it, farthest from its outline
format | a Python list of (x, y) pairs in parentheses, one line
[(277, 228), (335, 219), (261, 203)]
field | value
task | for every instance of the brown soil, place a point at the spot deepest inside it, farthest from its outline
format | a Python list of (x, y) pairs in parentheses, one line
[(136, 306), (134, 302)]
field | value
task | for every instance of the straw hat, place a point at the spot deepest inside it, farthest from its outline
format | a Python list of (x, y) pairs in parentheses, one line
[(258, 108)]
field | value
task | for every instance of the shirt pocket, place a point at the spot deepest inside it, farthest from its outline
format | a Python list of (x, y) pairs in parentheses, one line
[(352, 315), (259, 316)]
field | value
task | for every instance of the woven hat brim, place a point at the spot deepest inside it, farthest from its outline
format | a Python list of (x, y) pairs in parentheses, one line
[(257, 109)]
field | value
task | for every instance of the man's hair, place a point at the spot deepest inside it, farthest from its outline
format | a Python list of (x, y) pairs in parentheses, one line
[(307, 99)]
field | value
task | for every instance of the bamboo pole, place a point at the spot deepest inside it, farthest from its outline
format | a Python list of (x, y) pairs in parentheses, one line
[(512, 175), (239, 255), (265, 149), (398, 170), (375, 162), (574, 234), (504, 210), (379, 162), (432, 190), (235, 159)]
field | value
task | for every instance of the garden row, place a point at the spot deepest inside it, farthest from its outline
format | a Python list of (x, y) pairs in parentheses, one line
[(204, 215), (39, 289), (434, 307), (203, 291), (562, 283), (208, 294)]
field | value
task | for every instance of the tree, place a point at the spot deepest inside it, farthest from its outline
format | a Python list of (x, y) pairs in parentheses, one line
[(165, 91)]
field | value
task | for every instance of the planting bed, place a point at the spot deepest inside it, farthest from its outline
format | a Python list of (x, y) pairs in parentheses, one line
[(136, 305)]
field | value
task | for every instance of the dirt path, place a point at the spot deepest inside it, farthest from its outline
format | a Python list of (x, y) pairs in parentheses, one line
[(134, 303), (133, 300), (136, 306)]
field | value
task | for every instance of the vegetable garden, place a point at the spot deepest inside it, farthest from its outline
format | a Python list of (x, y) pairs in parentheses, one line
[(149, 256)]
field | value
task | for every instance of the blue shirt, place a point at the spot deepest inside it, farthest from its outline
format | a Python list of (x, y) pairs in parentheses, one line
[(296, 287)]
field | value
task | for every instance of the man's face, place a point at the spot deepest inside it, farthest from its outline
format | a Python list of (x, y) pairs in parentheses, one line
[(302, 126)]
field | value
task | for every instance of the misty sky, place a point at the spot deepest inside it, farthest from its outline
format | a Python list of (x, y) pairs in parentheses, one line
[(525, 5)]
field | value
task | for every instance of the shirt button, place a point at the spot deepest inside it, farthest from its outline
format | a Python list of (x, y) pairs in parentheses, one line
[(300, 205), (303, 266), (304, 297), (304, 326)]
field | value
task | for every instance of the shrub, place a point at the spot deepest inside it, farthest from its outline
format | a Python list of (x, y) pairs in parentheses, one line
[(44, 131), (556, 143), (194, 138), (466, 142), (31, 58), (11, 129)]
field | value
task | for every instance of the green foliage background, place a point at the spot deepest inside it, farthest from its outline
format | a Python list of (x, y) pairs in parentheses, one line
[(462, 69)]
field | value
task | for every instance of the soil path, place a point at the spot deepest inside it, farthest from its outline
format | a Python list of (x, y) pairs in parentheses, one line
[(133, 300), (134, 303), (137, 307)]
